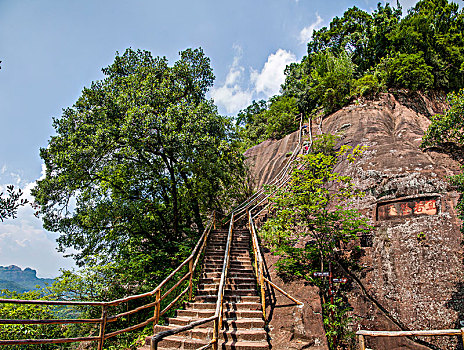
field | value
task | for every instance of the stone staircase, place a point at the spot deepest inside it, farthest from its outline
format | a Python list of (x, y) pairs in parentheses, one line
[(243, 325)]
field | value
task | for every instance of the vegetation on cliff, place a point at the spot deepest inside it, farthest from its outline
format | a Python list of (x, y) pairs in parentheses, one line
[(311, 220), (361, 53), (446, 134)]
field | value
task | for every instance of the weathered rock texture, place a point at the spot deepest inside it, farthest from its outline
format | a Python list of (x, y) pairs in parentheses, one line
[(267, 158), (412, 268)]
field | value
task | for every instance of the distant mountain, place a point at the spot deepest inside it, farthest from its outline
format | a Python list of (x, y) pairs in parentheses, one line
[(14, 278)]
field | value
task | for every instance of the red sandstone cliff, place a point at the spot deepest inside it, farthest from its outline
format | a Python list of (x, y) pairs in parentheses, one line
[(412, 265)]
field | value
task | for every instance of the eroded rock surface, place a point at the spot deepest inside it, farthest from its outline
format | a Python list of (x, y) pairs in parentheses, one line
[(412, 265)]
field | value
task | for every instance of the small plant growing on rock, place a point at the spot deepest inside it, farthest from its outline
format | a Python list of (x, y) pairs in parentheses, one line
[(313, 219), (421, 237)]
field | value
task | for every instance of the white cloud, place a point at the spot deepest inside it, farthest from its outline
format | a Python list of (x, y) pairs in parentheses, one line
[(24, 242), (272, 76), (307, 32), (233, 96)]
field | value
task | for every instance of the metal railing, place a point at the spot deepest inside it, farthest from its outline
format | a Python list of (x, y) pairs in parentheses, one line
[(192, 261), (436, 332), (105, 319), (217, 318), (259, 270)]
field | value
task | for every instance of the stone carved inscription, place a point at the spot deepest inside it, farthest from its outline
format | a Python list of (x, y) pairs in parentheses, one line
[(407, 208)]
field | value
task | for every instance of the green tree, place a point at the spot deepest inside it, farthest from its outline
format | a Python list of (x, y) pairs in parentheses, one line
[(322, 80), (408, 71), (446, 130), (434, 27), (311, 220), (9, 205), (136, 165), (273, 120)]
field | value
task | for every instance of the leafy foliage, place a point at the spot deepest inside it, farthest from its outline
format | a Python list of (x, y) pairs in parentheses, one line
[(447, 130), (406, 71), (9, 205), (137, 164), (368, 85), (312, 216), (446, 134), (361, 54), (312, 219), (337, 321), (261, 121)]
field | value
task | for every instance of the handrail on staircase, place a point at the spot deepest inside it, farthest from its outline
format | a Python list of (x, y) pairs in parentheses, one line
[(361, 334), (217, 318), (259, 269), (192, 262)]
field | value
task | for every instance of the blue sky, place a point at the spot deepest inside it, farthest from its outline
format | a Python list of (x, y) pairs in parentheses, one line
[(51, 49)]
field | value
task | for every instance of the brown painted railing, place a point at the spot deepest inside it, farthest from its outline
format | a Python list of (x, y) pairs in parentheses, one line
[(436, 332), (217, 318), (260, 272), (244, 209), (191, 261)]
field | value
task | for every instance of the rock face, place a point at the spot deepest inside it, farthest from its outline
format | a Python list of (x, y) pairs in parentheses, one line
[(267, 158), (412, 264)]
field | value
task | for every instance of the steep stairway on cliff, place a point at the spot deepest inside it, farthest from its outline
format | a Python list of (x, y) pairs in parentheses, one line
[(243, 324)]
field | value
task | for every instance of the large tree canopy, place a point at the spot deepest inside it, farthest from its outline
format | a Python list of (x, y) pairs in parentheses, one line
[(138, 161), (361, 54)]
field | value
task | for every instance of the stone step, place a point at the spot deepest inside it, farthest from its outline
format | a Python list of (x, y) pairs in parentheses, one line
[(230, 286), (232, 269), (244, 323), (228, 314), (228, 323), (234, 264), (227, 292), (239, 260), (180, 342), (227, 306), (207, 334), (231, 274), (236, 280), (228, 298), (244, 345)]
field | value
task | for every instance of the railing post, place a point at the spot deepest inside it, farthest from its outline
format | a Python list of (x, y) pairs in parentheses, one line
[(462, 336), (215, 334), (362, 344), (153, 344), (261, 284), (102, 328), (214, 219), (157, 309), (191, 279)]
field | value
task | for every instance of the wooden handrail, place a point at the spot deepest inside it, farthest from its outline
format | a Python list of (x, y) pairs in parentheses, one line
[(434, 332), (217, 318), (192, 260), (161, 335), (47, 341)]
